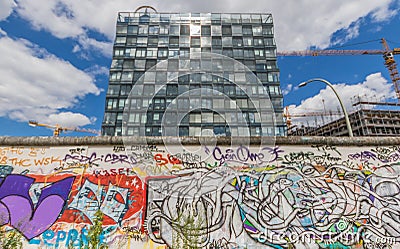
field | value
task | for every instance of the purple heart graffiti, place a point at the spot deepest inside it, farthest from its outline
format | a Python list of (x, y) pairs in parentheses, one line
[(17, 209)]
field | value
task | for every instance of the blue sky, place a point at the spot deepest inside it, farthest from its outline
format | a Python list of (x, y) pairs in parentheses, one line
[(55, 55)]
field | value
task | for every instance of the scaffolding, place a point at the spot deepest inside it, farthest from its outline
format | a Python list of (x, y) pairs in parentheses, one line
[(369, 118)]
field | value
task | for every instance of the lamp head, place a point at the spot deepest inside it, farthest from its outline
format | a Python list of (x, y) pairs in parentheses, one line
[(32, 123), (303, 84)]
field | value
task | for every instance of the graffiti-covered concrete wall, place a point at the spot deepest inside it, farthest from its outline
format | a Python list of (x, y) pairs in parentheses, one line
[(295, 193)]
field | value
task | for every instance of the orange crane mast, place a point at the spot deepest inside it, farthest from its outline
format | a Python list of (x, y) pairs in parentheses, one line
[(387, 53), (57, 129)]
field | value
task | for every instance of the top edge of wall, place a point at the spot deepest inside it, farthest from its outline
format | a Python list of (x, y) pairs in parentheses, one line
[(113, 140)]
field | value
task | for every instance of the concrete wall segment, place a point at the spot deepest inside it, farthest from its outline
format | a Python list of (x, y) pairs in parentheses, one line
[(108, 140), (302, 192)]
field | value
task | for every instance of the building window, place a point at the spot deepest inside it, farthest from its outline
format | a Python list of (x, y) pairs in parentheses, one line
[(273, 77), (206, 41), (216, 42), (174, 41), (274, 90), (151, 52), (150, 64), (207, 117), (154, 30), (237, 41), (163, 30), (248, 41), (143, 30), (238, 53), (108, 131), (259, 52), (216, 30), (148, 90), (269, 41), (112, 104), (227, 52), (140, 64), (119, 52), (257, 30), (267, 30), (270, 52), (195, 42), (205, 30), (115, 76), (173, 52), (237, 30), (113, 90), (120, 40), (121, 29), (184, 41), (195, 30), (248, 53), (271, 64), (163, 41), (226, 30), (141, 53), (246, 18), (162, 52), (121, 105), (116, 64), (153, 41), (174, 30), (141, 41), (183, 131), (132, 30), (172, 90), (258, 42), (218, 118), (130, 52), (236, 18), (109, 118), (227, 41), (127, 76), (195, 118), (131, 41), (159, 103), (185, 29), (247, 30), (125, 90)]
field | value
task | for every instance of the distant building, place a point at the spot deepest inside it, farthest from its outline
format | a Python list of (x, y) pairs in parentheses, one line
[(145, 39), (364, 122)]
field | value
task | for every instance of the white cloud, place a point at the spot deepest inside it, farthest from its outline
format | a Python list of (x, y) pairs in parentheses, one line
[(86, 44), (97, 70), (298, 25), (68, 119), (375, 87), (6, 8), (383, 13), (287, 89), (37, 85), (2, 33), (351, 32)]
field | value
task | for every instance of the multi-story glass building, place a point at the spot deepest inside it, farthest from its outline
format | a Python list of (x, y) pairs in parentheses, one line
[(185, 52)]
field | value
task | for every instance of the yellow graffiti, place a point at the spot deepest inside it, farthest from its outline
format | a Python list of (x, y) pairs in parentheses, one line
[(151, 245)]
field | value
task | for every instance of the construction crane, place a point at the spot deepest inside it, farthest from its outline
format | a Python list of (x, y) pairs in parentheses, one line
[(57, 129), (288, 116), (387, 53)]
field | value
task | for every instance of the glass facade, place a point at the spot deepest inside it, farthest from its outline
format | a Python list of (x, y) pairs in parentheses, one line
[(183, 74)]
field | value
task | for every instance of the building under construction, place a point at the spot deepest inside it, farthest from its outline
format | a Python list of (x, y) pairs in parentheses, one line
[(366, 120)]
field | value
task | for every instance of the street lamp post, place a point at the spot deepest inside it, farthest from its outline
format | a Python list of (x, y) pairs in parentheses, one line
[(346, 116)]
